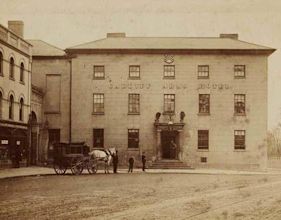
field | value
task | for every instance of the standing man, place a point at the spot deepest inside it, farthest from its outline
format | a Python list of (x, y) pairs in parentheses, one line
[(115, 161), (131, 164), (143, 159)]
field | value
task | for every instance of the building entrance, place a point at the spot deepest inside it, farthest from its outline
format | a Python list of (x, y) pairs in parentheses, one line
[(169, 144)]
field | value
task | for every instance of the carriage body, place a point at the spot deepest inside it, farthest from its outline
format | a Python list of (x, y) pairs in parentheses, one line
[(72, 156)]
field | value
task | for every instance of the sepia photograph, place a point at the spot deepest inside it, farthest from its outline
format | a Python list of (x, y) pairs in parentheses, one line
[(135, 110)]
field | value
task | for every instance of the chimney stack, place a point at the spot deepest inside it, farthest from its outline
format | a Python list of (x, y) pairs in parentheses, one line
[(116, 35), (16, 27), (231, 36)]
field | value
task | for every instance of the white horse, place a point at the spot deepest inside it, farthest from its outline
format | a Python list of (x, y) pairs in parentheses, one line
[(103, 155)]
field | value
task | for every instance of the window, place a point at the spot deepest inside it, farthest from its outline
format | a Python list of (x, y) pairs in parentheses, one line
[(203, 139), (98, 72), (12, 68), (134, 72), (11, 107), (22, 72), (239, 139), (98, 103), (239, 104), (1, 64), (21, 110), (169, 71), (54, 137), (134, 104), (203, 71), (204, 103), (98, 138), (239, 71), (169, 103), (133, 138), (1, 104)]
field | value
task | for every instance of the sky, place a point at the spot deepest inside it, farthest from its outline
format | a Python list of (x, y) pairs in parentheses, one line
[(65, 23)]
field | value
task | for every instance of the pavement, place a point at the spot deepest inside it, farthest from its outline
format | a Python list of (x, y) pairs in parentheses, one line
[(43, 171)]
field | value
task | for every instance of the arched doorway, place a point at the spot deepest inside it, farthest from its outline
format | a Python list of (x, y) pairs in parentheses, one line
[(34, 135)]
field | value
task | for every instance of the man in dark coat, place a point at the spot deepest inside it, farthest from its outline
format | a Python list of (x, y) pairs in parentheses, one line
[(115, 161), (143, 159), (131, 164)]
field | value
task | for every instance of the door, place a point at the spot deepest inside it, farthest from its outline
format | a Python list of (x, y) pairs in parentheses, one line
[(168, 142)]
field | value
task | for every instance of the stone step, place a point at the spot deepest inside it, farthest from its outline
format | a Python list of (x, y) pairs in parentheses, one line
[(169, 164)]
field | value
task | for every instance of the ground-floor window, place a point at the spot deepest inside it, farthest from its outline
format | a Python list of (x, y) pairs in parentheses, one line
[(98, 138), (203, 139), (133, 138), (54, 137), (239, 139)]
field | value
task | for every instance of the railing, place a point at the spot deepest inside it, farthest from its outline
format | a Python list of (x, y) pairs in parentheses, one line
[(14, 40)]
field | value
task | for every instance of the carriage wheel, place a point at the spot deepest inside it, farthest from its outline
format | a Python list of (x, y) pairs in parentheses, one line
[(59, 169), (77, 165), (92, 167)]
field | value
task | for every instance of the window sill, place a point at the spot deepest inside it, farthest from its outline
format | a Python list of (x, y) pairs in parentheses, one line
[(134, 78), (239, 150), (133, 149), (203, 114), (202, 77), (169, 113), (52, 112), (169, 77), (131, 113), (239, 77), (237, 114), (98, 113), (202, 150), (99, 78)]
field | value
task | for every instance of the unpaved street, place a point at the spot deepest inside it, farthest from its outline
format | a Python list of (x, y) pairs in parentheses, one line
[(142, 196)]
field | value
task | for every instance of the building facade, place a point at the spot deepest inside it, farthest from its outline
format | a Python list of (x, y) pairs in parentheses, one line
[(202, 101), (15, 92)]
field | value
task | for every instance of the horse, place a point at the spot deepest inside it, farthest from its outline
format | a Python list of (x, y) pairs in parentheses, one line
[(103, 155)]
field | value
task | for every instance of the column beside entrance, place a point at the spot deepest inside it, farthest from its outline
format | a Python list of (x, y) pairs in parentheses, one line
[(158, 144)]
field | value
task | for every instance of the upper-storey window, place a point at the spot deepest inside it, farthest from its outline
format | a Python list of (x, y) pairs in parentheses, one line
[(98, 103), (169, 71), (134, 104), (11, 107), (98, 72), (22, 72), (169, 103), (204, 103), (1, 64), (239, 140), (239, 104), (203, 71), (12, 68), (1, 104), (239, 71), (134, 72), (21, 109)]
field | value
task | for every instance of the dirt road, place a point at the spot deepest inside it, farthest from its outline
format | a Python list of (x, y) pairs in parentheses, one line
[(142, 196)]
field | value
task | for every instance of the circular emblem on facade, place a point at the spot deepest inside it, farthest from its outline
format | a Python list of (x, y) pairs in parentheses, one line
[(168, 58)]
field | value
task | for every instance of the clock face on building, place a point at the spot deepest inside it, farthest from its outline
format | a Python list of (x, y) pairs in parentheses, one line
[(168, 58)]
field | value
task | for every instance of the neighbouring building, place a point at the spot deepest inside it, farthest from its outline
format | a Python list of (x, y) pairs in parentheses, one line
[(202, 101), (15, 92), (51, 99)]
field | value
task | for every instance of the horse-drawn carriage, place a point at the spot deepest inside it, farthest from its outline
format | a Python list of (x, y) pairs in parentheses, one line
[(77, 157)]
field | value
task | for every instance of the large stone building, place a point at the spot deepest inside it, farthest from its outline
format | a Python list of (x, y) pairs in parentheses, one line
[(15, 92), (199, 100)]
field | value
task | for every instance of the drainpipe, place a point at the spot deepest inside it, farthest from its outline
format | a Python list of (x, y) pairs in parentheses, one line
[(70, 99)]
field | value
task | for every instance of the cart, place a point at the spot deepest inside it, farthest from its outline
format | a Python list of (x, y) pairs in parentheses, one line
[(73, 156)]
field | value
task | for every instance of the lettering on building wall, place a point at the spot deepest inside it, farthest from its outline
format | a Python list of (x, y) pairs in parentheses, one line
[(130, 86), (214, 86), (174, 86)]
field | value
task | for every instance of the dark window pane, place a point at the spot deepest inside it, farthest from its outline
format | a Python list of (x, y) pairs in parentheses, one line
[(134, 71), (99, 72), (133, 138), (203, 139), (169, 71), (203, 71), (98, 138)]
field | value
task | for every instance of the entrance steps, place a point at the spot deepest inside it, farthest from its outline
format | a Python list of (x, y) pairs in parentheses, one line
[(169, 164)]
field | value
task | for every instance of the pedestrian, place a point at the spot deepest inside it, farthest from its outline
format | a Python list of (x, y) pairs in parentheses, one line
[(143, 159), (131, 164), (115, 161)]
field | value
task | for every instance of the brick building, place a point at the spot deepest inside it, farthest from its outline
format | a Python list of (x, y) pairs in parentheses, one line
[(15, 92), (198, 100)]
